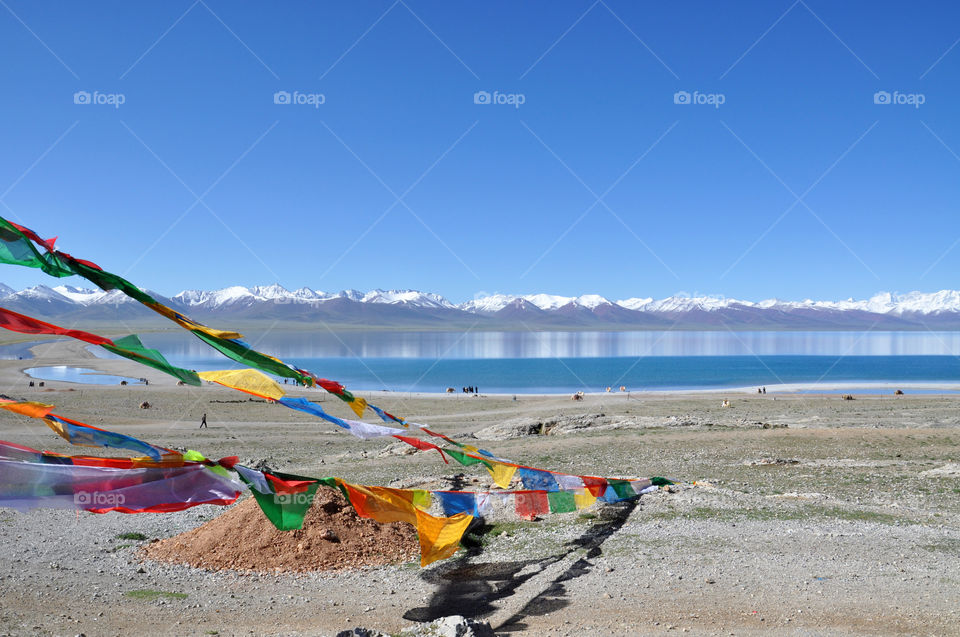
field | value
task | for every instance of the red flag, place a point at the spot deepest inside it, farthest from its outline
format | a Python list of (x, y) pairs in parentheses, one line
[(423, 445), (27, 325)]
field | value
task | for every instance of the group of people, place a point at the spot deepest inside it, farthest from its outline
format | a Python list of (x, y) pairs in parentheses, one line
[(761, 390), (471, 390)]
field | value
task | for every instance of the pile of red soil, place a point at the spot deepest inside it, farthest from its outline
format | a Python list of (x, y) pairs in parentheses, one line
[(333, 537)]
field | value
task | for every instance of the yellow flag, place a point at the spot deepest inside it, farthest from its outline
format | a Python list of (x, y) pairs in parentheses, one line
[(422, 499), (440, 537), (246, 380), (583, 499), (502, 474), (190, 324), (358, 405)]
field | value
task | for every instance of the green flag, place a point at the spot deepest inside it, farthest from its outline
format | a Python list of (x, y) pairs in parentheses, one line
[(131, 347), (17, 249), (464, 459), (622, 488), (561, 502), (286, 510)]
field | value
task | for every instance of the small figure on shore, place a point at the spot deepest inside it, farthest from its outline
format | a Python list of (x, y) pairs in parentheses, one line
[(764, 389), (759, 390), (203, 422)]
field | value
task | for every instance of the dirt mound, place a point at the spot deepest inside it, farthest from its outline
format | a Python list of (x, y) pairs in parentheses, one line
[(333, 537)]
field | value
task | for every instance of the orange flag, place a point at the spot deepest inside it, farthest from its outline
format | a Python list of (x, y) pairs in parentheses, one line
[(27, 408), (440, 537)]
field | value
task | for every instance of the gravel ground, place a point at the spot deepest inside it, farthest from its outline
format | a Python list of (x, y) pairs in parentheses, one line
[(803, 515)]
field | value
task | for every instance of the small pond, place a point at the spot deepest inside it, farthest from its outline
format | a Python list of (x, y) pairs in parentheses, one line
[(68, 374)]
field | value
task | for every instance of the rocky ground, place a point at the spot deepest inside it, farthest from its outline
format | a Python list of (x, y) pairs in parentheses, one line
[(794, 514)]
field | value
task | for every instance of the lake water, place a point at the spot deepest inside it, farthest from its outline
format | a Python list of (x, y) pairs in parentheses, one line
[(550, 362)]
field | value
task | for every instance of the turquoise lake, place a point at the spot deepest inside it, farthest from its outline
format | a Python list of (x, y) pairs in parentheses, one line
[(552, 362)]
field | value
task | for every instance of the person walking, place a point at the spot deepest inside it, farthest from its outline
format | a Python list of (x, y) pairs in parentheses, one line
[(203, 422)]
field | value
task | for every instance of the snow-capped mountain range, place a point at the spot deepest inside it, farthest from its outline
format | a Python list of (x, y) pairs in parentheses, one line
[(410, 308)]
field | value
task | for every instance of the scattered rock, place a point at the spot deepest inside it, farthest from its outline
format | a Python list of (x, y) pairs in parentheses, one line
[(361, 632), (557, 425), (397, 449), (452, 626), (949, 470), (763, 462)]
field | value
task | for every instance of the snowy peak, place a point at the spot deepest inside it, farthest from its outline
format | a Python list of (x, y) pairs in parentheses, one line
[(549, 301), (406, 297), (40, 293), (79, 295), (275, 291), (591, 301), (353, 295), (635, 303), (488, 304), (216, 298)]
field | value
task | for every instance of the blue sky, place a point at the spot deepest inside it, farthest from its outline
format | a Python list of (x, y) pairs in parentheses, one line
[(797, 185)]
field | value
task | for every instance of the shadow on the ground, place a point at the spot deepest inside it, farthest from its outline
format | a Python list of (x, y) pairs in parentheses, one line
[(476, 589)]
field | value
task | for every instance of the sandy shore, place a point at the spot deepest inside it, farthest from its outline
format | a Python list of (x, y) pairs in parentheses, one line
[(810, 515)]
